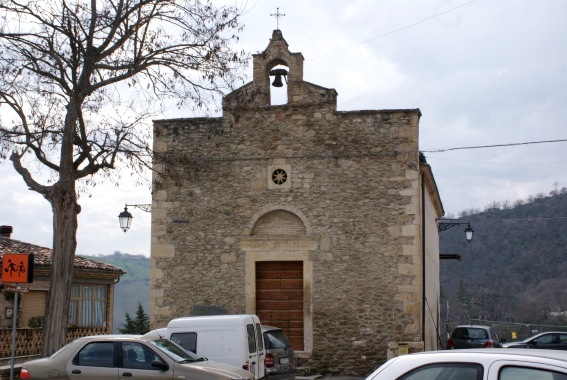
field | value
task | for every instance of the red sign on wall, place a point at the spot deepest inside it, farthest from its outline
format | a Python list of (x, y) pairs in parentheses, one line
[(17, 268)]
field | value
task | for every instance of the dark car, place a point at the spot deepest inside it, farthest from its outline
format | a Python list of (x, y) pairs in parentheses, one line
[(473, 336), (554, 340), (280, 359)]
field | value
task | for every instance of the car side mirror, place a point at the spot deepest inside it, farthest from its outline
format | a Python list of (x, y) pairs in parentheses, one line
[(161, 365)]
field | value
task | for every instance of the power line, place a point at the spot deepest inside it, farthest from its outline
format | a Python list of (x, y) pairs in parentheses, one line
[(498, 163), (394, 31), (530, 219), (491, 146)]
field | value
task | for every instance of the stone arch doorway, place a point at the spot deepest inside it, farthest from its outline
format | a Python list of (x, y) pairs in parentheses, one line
[(279, 274)]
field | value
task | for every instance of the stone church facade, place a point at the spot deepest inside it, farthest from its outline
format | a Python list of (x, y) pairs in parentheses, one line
[(319, 221)]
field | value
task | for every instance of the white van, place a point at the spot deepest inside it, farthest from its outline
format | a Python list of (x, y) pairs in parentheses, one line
[(232, 339)]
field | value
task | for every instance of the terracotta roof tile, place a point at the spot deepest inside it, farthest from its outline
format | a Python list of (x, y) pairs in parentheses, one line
[(43, 256)]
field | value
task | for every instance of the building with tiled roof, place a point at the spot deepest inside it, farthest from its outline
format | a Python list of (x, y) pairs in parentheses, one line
[(92, 294), (43, 257)]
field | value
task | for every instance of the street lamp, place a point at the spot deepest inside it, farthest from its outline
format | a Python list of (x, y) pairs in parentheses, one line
[(125, 217), (443, 225)]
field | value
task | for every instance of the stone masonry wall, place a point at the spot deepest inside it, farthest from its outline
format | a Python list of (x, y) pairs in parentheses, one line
[(353, 175)]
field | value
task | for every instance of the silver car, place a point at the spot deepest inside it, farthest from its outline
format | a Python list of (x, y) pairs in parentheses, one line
[(473, 336), (280, 359), (551, 340), (122, 356), (476, 364)]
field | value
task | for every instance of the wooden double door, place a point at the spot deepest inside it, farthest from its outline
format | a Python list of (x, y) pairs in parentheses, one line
[(279, 298)]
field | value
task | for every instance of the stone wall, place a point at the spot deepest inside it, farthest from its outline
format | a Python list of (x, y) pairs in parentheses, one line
[(354, 175)]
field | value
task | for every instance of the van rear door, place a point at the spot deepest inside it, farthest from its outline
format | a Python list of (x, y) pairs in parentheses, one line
[(261, 351), (256, 353)]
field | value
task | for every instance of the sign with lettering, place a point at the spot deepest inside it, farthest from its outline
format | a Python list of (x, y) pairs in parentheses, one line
[(17, 268)]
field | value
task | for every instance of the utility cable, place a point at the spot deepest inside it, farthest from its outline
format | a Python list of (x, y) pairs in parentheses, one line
[(394, 31), (491, 146)]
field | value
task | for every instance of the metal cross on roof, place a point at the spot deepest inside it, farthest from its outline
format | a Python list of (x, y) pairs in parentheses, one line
[(277, 15)]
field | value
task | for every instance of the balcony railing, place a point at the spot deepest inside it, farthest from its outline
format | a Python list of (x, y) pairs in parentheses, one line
[(30, 341)]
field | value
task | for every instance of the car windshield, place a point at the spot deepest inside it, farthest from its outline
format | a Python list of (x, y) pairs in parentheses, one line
[(537, 337), (176, 352)]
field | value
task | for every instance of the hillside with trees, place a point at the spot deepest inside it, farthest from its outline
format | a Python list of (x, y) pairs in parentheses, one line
[(512, 274), (133, 289)]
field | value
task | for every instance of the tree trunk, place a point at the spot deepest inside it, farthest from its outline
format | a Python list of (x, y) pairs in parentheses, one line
[(63, 199), (65, 211)]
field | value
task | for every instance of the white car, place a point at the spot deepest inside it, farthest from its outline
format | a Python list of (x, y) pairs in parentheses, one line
[(476, 364)]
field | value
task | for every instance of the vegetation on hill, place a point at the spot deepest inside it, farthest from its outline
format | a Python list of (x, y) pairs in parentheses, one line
[(512, 274), (133, 288), (139, 325)]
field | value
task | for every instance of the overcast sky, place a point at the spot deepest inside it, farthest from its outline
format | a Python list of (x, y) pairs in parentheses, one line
[(484, 72)]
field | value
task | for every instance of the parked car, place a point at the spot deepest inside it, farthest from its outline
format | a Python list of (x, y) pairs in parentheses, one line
[(473, 336), (280, 359), (476, 364), (123, 356), (553, 340)]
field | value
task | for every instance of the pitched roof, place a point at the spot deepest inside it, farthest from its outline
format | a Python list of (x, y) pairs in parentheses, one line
[(43, 256)]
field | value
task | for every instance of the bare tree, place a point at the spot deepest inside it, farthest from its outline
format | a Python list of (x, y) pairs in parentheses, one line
[(78, 78)]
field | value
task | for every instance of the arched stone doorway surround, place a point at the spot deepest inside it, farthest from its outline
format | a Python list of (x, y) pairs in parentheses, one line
[(282, 233)]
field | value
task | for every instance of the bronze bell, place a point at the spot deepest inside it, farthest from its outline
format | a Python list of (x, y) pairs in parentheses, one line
[(277, 81), (278, 77)]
